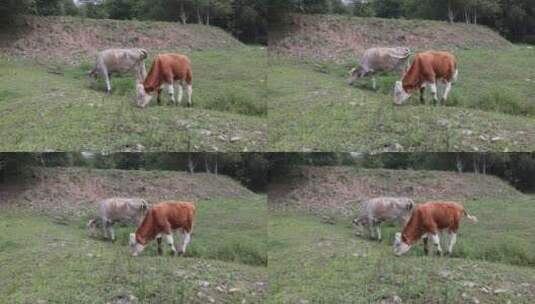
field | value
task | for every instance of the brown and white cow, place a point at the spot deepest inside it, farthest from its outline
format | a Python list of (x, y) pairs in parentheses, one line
[(117, 209), (377, 210), (427, 69), (427, 221), (168, 70), (162, 220)]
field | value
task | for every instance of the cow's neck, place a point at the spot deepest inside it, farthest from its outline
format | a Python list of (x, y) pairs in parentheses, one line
[(152, 81), (146, 231), (411, 82), (412, 231)]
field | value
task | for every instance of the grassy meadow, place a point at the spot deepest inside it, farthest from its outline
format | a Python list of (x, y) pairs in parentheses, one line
[(491, 107), (46, 260), (311, 261), (50, 107)]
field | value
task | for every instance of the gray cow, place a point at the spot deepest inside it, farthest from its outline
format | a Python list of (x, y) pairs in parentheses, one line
[(119, 61), (117, 209), (377, 210), (380, 59)]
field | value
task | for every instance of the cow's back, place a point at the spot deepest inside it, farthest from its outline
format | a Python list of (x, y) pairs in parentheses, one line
[(174, 215), (177, 66), (442, 214), (437, 64)]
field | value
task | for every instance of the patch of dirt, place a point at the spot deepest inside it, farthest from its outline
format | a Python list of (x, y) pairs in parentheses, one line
[(74, 191), (72, 40), (343, 40), (338, 190)]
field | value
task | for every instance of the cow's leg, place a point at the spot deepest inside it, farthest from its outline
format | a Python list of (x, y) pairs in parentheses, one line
[(159, 241), (159, 99), (180, 92), (170, 241), (447, 89), (185, 236), (433, 88), (422, 95), (189, 90), (436, 241), (426, 244), (371, 231), (112, 232), (378, 231), (374, 83), (171, 92), (106, 77), (452, 240)]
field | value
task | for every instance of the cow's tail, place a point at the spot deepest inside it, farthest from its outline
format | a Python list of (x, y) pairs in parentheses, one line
[(470, 217)]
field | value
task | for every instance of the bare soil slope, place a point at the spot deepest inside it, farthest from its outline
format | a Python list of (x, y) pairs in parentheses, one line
[(71, 191), (342, 39), (71, 40), (338, 190)]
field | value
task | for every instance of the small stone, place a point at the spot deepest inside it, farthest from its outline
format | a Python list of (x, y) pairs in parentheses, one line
[(204, 284), (483, 137), (485, 290), (467, 132), (500, 290), (220, 289), (232, 290), (469, 284), (222, 137), (211, 300), (235, 138), (443, 122), (496, 138), (205, 132), (444, 273)]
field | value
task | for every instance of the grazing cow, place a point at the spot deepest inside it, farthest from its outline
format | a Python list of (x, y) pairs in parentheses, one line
[(426, 69), (119, 61), (167, 69), (379, 59), (163, 219), (117, 209), (428, 220), (377, 210)]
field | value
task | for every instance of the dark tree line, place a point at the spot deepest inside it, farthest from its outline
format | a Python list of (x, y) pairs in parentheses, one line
[(516, 168), (248, 168), (245, 19), (515, 19)]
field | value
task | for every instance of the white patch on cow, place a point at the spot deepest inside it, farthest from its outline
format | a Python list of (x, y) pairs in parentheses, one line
[(185, 241), (400, 247), (190, 92), (446, 91), (452, 240), (400, 95), (169, 239), (433, 88), (171, 91), (135, 247), (436, 242), (142, 98), (180, 92)]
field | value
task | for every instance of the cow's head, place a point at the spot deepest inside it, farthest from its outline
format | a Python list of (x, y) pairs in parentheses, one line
[(142, 97), (92, 226), (355, 74), (135, 247), (400, 96), (400, 247)]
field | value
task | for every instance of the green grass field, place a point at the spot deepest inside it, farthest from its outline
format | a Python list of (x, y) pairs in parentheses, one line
[(491, 108), (314, 262), (53, 261), (55, 107)]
